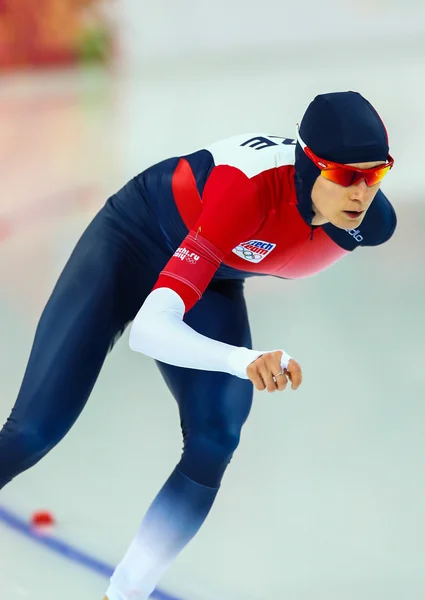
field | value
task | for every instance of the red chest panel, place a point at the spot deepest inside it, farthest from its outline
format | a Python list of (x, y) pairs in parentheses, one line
[(285, 242), (282, 245)]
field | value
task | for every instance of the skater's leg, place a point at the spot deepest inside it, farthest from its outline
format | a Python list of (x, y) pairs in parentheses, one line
[(82, 318), (213, 408)]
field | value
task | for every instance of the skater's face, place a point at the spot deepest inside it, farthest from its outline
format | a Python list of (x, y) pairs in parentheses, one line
[(344, 207)]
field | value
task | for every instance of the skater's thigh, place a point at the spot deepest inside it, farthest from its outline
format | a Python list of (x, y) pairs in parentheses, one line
[(207, 399), (86, 312)]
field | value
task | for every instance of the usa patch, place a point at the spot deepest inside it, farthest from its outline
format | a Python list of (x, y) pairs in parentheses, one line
[(254, 251)]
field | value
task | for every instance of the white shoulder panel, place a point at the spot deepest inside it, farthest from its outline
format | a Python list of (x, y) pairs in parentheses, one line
[(254, 153)]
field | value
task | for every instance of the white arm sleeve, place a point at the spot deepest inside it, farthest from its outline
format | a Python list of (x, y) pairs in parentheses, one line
[(160, 332)]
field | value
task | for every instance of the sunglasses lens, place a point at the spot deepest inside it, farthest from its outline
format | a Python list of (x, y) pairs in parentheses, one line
[(347, 177), (376, 176), (342, 177)]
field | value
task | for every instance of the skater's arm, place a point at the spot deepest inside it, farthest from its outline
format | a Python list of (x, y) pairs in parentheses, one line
[(160, 332), (232, 212)]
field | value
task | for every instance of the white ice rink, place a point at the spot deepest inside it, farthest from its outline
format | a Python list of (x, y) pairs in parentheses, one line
[(325, 497)]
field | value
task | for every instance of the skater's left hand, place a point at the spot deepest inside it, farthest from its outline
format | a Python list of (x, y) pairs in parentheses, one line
[(266, 373)]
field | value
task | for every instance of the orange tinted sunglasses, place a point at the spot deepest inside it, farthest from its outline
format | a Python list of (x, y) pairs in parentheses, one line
[(343, 174)]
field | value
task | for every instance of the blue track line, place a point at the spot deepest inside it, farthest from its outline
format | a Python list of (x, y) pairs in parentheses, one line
[(91, 563)]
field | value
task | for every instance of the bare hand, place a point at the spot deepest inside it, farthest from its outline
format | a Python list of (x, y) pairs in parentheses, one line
[(265, 373)]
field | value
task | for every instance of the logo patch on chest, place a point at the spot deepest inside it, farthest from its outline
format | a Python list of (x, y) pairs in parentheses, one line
[(254, 251)]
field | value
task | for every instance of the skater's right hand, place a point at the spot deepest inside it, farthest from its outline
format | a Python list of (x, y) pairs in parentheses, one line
[(266, 373)]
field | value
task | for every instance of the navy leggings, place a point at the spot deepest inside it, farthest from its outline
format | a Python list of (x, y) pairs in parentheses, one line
[(107, 278)]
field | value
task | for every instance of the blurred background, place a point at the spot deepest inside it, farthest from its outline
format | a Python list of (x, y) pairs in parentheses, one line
[(324, 498)]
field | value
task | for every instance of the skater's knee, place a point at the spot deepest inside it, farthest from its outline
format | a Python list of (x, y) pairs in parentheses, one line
[(207, 454), (214, 441), (24, 443)]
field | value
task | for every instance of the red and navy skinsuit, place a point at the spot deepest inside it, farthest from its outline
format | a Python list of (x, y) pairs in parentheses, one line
[(199, 224)]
